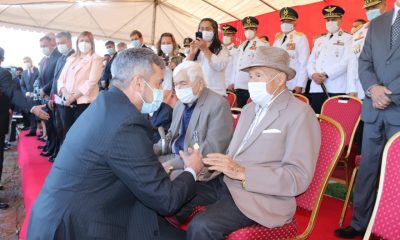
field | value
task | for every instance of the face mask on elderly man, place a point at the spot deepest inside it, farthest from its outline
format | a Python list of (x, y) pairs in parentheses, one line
[(259, 94), (186, 95)]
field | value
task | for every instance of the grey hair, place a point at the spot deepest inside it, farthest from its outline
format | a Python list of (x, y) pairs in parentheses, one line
[(67, 35), (131, 62), (193, 71)]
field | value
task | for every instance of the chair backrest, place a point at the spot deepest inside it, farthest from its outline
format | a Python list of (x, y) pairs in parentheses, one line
[(332, 144), (385, 220), (231, 97), (302, 98), (236, 116), (346, 110)]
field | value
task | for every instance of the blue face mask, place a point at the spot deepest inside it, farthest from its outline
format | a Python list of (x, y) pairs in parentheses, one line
[(373, 13), (158, 96), (136, 44)]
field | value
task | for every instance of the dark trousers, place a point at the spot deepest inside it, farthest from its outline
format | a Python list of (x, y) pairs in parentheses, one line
[(221, 216), (242, 96), (57, 121), (69, 116), (318, 99), (375, 137), (2, 139), (33, 123), (26, 119), (51, 132)]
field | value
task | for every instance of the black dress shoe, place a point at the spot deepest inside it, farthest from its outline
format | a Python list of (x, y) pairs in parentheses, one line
[(25, 128), (51, 159), (46, 154), (1, 187), (42, 147), (3, 205), (30, 134), (348, 232)]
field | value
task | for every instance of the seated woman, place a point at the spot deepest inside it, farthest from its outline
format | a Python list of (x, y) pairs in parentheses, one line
[(270, 160), (201, 119)]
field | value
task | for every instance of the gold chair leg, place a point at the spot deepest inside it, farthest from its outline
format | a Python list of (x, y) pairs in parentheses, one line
[(348, 194)]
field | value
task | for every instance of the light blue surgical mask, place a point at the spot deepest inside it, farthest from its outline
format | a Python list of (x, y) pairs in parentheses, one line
[(185, 95), (136, 43), (158, 96), (110, 51), (373, 13)]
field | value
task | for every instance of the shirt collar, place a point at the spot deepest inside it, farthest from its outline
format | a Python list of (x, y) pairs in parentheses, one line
[(396, 10)]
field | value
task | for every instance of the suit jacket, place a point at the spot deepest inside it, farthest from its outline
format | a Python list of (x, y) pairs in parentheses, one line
[(57, 71), (106, 76), (106, 182), (378, 64), (46, 73), (162, 117), (27, 80), (10, 92), (279, 158), (211, 120), (82, 77)]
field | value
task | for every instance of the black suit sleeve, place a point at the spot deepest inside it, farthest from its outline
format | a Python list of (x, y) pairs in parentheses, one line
[(11, 89), (132, 159)]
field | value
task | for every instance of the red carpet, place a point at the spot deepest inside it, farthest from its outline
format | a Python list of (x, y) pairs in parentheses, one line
[(35, 168)]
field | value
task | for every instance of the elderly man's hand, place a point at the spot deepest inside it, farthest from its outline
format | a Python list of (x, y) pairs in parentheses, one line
[(225, 164), (38, 112), (192, 159), (380, 100), (318, 78)]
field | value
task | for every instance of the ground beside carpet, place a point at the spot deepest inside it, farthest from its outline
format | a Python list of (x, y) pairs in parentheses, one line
[(35, 169)]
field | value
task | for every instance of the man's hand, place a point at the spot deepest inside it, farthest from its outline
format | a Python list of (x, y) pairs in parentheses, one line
[(379, 97), (192, 159), (38, 112), (298, 90), (231, 87), (318, 78), (225, 164), (103, 83)]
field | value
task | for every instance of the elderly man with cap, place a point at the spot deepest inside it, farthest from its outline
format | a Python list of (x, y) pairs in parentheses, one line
[(239, 78), (228, 39), (201, 119), (327, 66), (270, 160), (296, 44)]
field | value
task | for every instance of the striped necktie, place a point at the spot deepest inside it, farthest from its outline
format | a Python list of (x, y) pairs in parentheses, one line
[(395, 33)]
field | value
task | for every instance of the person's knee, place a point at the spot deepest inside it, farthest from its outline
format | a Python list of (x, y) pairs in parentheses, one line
[(199, 226)]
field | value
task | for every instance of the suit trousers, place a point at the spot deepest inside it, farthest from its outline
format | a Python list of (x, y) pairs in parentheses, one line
[(365, 189), (60, 135), (221, 216), (318, 99), (242, 95), (2, 139), (69, 116)]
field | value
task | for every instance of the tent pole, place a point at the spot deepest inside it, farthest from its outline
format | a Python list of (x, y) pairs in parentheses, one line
[(153, 33)]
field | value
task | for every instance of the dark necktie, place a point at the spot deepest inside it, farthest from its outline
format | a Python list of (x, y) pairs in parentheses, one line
[(245, 46), (395, 33), (331, 36), (284, 39)]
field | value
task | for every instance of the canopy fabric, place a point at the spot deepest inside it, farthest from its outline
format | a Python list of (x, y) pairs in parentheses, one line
[(115, 19)]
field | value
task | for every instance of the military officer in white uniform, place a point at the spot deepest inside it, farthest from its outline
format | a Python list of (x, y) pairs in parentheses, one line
[(374, 8), (240, 79), (296, 44), (228, 40), (327, 66)]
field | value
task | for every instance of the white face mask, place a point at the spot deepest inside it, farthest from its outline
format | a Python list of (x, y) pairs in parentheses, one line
[(136, 44), (110, 51), (208, 36), (46, 51), (287, 27), (28, 65), (167, 48), (187, 51), (258, 92), (185, 95), (226, 40), (62, 48), (332, 26), (84, 47), (249, 34), (158, 96), (373, 13)]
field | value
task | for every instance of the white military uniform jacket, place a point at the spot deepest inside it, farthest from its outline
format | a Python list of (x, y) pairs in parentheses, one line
[(296, 44), (330, 55), (353, 80), (229, 73), (239, 78)]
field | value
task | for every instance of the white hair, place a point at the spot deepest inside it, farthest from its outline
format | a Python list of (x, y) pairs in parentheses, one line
[(193, 71)]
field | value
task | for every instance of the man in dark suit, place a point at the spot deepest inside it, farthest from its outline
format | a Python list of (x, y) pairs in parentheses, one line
[(10, 93), (380, 77), (106, 181), (64, 46), (106, 76), (28, 78)]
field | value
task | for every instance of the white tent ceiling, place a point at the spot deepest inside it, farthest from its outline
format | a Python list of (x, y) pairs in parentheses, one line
[(115, 19)]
